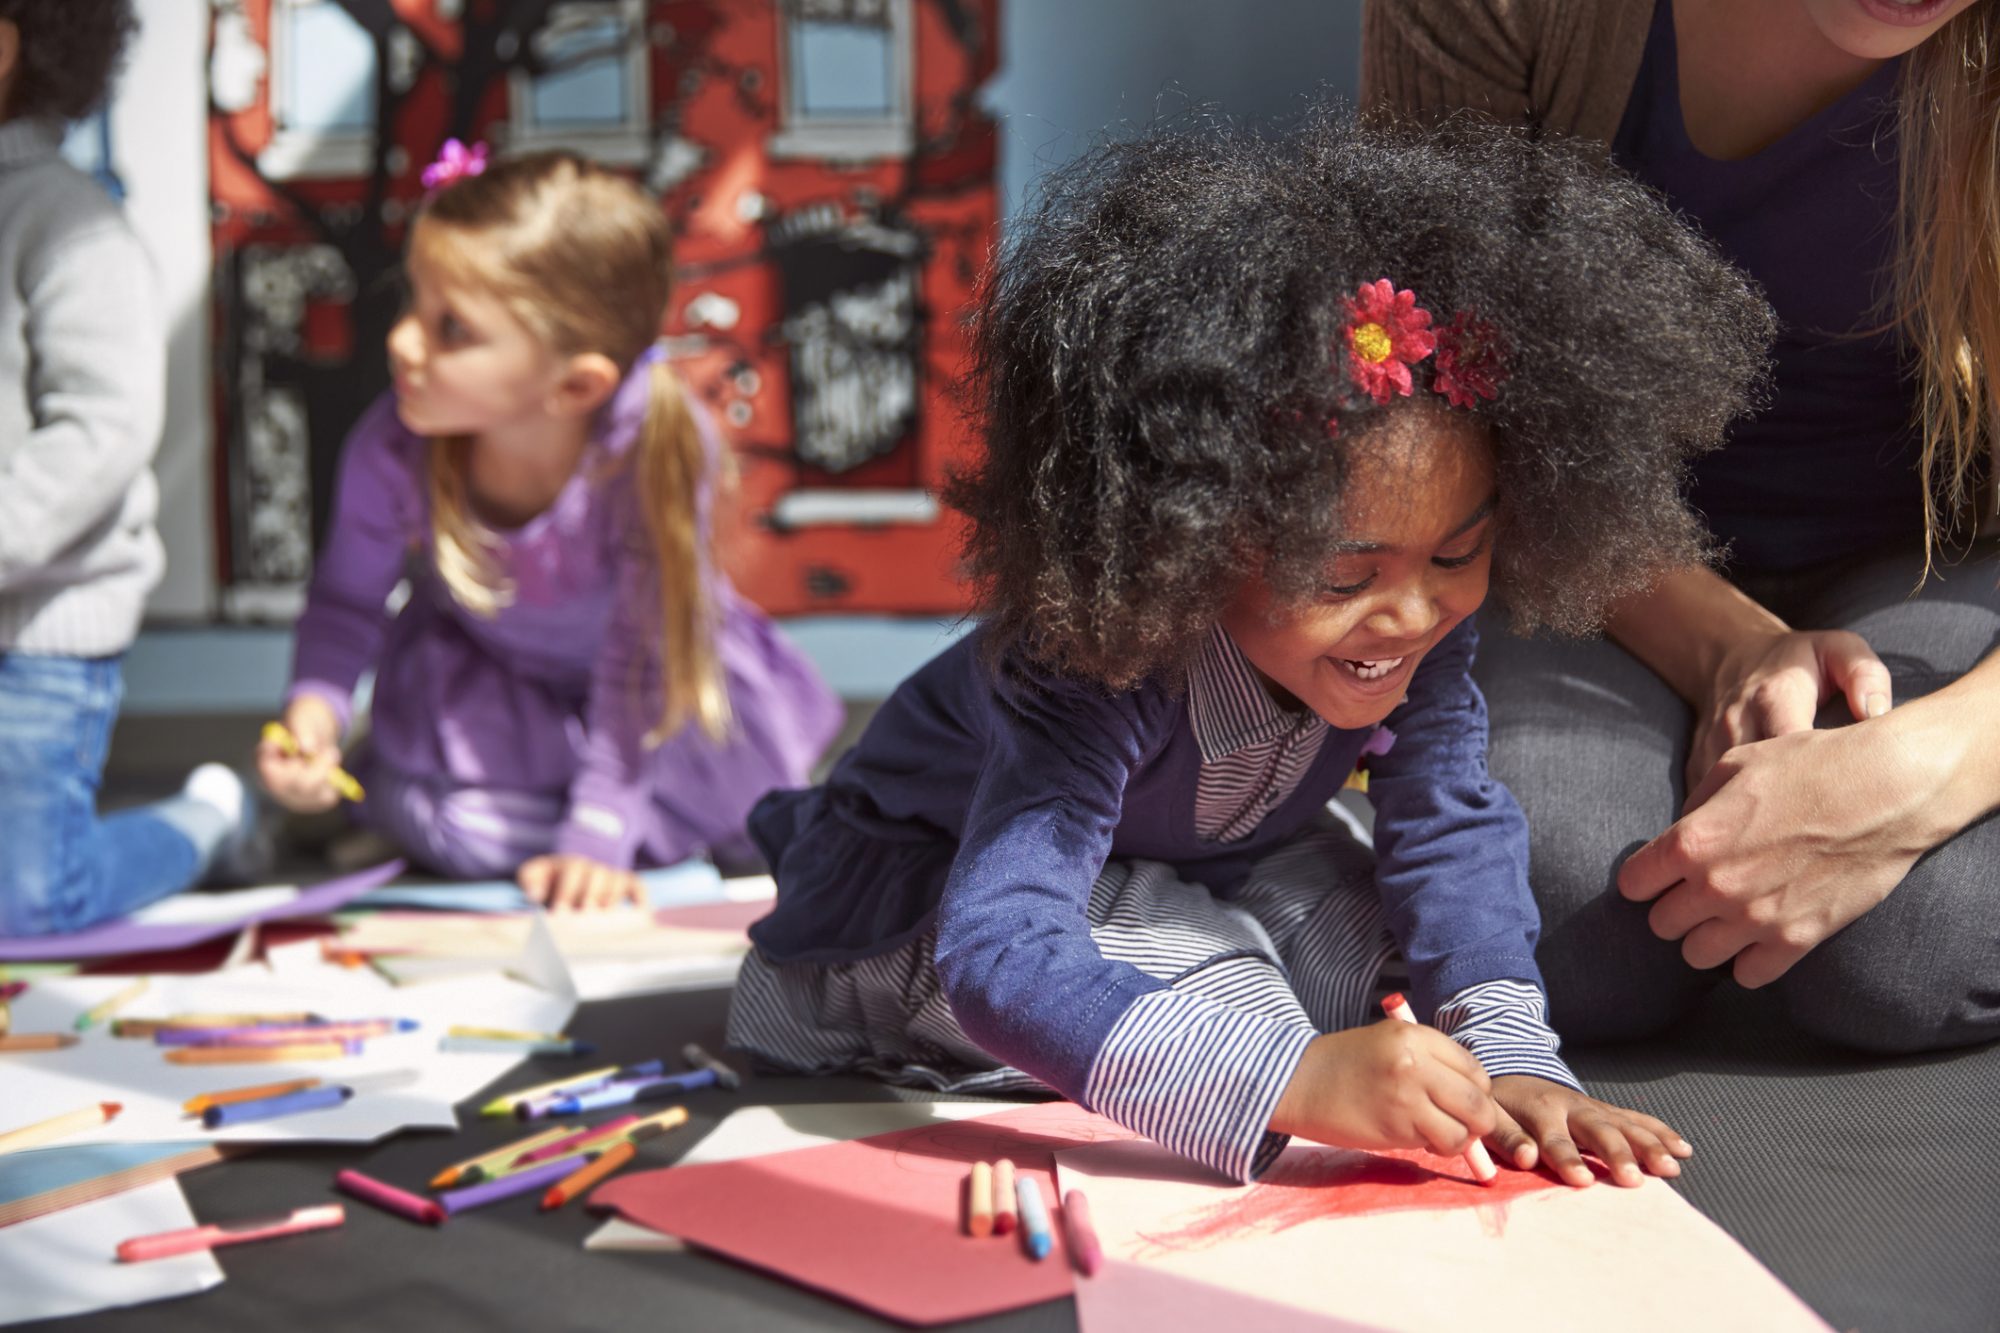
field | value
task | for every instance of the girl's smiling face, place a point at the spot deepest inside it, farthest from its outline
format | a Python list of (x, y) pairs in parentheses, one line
[(463, 364), (1418, 517)]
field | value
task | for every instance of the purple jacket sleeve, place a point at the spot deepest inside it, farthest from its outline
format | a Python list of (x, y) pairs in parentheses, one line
[(1451, 846), (378, 516)]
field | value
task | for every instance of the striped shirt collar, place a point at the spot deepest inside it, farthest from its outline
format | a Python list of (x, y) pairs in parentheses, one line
[(1228, 705)]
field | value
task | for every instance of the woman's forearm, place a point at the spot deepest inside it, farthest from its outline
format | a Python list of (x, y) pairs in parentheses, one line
[(1684, 626), (1956, 731)]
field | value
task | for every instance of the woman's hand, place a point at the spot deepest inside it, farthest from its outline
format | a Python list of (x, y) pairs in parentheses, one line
[(579, 884), (298, 778), (1388, 1085), (1548, 1123), (1773, 684), (1787, 840)]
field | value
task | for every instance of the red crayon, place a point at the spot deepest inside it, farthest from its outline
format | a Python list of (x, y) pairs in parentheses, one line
[(1476, 1159)]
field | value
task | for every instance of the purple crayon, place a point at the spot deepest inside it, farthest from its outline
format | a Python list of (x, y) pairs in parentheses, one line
[(540, 1177)]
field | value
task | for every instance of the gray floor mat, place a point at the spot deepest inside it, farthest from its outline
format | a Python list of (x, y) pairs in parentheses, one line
[(1871, 1187)]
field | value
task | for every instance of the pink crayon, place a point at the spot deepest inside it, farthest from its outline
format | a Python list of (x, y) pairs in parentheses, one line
[(1476, 1159), (1083, 1242), (388, 1197)]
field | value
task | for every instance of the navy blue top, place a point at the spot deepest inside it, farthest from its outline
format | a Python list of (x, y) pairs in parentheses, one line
[(988, 801), (1830, 468)]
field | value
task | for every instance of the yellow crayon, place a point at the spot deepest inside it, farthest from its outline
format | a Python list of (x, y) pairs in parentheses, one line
[(343, 781)]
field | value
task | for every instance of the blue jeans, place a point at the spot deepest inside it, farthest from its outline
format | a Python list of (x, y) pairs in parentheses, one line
[(62, 867)]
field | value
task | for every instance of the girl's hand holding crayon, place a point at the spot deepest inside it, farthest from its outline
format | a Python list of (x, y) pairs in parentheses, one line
[(579, 884), (1548, 1123), (300, 776), (1388, 1085)]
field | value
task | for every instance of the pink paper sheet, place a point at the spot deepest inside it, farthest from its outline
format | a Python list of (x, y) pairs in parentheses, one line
[(878, 1222), (122, 937)]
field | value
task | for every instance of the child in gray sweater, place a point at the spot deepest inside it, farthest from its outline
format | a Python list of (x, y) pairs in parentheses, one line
[(82, 383)]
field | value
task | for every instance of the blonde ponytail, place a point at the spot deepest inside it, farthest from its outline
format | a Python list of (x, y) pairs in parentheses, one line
[(671, 471)]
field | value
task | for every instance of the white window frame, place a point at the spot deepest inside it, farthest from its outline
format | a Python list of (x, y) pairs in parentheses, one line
[(863, 137), (301, 154), (629, 144)]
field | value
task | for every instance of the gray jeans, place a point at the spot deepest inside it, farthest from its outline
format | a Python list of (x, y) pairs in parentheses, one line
[(1593, 745)]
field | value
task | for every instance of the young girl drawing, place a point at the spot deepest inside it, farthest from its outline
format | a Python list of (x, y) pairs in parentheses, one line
[(1263, 421), (573, 687)]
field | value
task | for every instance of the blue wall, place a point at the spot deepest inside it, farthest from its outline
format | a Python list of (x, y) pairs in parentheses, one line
[(1071, 70)]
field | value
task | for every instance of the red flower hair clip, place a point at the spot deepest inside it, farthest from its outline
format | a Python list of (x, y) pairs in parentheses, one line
[(1470, 360), (1387, 333), (454, 162)]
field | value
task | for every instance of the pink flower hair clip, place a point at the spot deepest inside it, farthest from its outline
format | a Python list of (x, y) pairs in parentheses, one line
[(1387, 333), (455, 162), (1470, 360)]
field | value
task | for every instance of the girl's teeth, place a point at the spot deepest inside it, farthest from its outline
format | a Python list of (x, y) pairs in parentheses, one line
[(1372, 670)]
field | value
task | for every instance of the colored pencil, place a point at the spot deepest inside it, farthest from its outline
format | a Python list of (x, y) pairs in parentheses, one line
[(256, 1093), (59, 1127), (189, 1239), (450, 1175), (343, 781), (588, 1175), (1084, 1246), (1005, 1215), (504, 1104), (1477, 1160), (979, 1200), (147, 1027), (252, 1055), (401, 1202), (1034, 1216), (37, 1041), (103, 1009)]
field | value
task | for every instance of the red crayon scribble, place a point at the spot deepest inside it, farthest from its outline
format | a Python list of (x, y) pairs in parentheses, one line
[(1313, 1183)]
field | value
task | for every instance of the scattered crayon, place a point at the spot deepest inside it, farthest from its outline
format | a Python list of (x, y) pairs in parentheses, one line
[(189, 1239), (104, 1008), (37, 1041), (979, 1200), (402, 1202), (1084, 1246), (257, 1092), (1004, 1215), (1477, 1159), (1034, 1216)]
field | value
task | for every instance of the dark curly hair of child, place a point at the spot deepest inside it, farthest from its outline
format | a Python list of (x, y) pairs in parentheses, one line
[(69, 51), (1162, 359)]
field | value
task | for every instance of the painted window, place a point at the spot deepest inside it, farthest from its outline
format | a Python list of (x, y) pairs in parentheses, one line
[(586, 86), (847, 79), (322, 91)]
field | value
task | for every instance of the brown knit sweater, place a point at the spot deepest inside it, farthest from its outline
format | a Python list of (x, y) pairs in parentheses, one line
[(1562, 65)]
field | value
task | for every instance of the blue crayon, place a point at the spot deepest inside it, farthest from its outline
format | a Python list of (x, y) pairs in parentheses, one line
[(310, 1099), (1034, 1216), (535, 1108)]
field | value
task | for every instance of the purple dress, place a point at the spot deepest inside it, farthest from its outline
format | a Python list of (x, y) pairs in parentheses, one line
[(499, 739)]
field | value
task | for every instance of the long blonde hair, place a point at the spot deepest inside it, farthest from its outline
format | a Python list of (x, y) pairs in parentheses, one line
[(1947, 275), (583, 259)]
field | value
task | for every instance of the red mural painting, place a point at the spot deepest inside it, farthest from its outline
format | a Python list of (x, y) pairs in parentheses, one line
[(833, 185)]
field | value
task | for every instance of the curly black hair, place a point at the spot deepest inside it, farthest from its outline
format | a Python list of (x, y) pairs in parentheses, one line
[(70, 49), (1161, 362)]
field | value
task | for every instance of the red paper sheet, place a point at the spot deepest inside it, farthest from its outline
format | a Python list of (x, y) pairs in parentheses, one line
[(878, 1222)]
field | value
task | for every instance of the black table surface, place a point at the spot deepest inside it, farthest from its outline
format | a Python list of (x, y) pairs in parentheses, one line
[(1871, 1187)]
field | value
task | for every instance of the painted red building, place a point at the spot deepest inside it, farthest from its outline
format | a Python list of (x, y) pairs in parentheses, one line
[(833, 184)]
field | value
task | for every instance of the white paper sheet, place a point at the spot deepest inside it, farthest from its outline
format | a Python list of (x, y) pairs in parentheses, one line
[(67, 1263), (758, 1130), (535, 995), (1601, 1257)]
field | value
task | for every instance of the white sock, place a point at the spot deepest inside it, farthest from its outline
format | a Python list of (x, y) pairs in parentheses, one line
[(218, 787)]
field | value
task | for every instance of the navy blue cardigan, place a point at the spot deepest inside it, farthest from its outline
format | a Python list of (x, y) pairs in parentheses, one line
[(988, 801)]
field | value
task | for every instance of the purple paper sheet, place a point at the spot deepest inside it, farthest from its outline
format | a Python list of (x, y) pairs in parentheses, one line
[(122, 937)]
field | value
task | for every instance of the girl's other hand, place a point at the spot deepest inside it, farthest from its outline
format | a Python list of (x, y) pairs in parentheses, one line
[(579, 884), (1774, 684), (297, 778), (1388, 1085), (1545, 1122)]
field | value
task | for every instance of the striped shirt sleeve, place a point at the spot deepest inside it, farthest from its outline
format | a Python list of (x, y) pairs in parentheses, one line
[(1504, 1023), (1198, 1077)]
